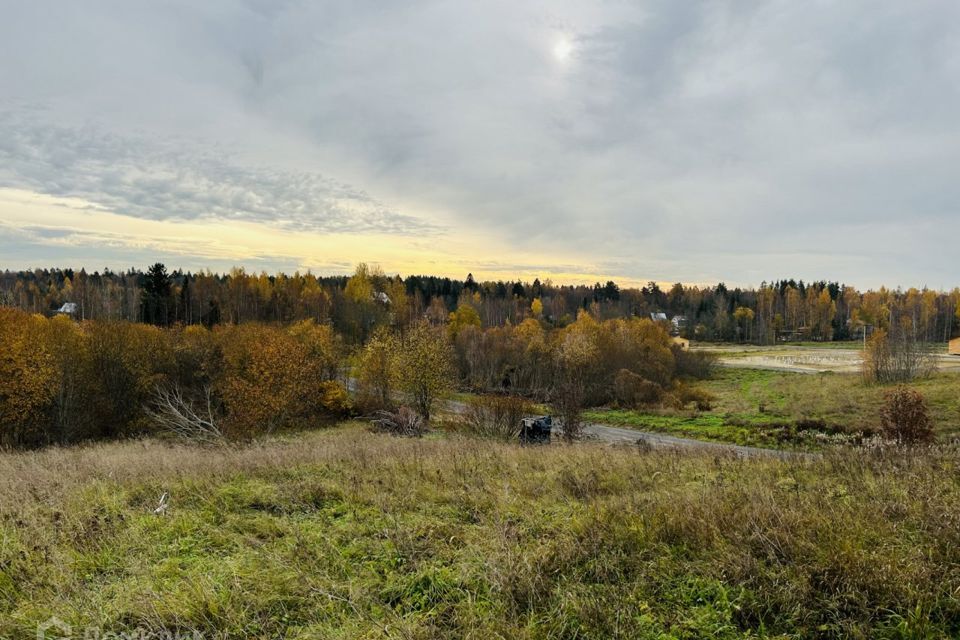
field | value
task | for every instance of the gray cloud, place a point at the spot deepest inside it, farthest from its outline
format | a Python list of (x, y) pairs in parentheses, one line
[(162, 179), (735, 140)]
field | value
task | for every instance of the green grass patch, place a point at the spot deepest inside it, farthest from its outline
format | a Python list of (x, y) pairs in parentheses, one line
[(753, 406), (743, 429)]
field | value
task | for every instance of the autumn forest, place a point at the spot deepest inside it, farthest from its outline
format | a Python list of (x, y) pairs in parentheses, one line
[(778, 310)]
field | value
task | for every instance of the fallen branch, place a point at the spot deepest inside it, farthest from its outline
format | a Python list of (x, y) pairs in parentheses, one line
[(172, 412)]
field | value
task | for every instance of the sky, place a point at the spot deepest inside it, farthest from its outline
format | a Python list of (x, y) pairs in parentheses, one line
[(726, 140)]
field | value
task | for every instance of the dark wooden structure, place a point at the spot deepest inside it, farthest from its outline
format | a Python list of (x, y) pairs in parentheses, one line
[(536, 430)]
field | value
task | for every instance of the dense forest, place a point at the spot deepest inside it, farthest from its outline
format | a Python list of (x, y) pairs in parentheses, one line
[(355, 306)]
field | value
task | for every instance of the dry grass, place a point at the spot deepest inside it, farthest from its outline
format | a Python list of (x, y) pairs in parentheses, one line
[(345, 534)]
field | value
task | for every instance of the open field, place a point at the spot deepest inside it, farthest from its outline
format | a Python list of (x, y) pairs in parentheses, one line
[(759, 406), (808, 357), (347, 534)]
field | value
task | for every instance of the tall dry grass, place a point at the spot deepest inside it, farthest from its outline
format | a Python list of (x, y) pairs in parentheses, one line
[(353, 534)]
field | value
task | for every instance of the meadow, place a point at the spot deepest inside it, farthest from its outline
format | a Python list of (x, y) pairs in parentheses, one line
[(342, 533), (769, 408)]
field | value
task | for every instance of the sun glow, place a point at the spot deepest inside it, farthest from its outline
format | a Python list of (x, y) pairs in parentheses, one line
[(562, 49)]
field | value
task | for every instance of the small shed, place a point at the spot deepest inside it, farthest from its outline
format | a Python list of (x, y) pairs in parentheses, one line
[(536, 430), (954, 347), (68, 309)]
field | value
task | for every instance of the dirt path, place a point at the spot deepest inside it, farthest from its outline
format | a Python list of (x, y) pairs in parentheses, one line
[(619, 435)]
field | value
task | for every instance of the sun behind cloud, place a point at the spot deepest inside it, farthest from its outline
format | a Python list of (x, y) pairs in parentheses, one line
[(563, 49)]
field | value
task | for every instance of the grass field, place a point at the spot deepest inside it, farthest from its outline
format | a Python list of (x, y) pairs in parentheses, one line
[(844, 345), (804, 357), (347, 534), (759, 407)]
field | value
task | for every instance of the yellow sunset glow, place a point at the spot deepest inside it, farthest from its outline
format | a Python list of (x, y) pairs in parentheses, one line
[(73, 222)]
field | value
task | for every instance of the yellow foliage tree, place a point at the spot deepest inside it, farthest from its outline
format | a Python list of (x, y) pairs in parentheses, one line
[(27, 374), (272, 381), (577, 358), (362, 312), (373, 371), (744, 317), (74, 380), (464, 316), (360, 285), (824, 310), (314, 299), (324, 347), (400, 310), (423, 366), (197, 356), (129, 361), (536, 308)]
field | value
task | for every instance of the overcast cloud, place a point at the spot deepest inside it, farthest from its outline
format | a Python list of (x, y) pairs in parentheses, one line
[(694, 141)]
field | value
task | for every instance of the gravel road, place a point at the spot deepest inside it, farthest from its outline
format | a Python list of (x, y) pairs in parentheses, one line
[(617, 435)]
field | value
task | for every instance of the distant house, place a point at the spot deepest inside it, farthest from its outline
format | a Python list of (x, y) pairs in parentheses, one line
[(659, 317), (954, 347), (792, 335), (68, 309), (381, 297)]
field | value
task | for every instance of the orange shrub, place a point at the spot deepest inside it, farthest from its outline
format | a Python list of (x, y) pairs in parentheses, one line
[(905, 417), (27, 373), (129, 361), (272, 380), (631, 390)]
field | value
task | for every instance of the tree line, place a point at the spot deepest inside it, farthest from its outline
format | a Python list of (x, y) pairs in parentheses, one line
[(65, 381), (355, 306)]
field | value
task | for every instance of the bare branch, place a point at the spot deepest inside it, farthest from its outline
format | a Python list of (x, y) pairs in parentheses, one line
[(172, 412)]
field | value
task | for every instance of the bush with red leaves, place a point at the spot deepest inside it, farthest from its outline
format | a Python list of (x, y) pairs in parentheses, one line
[(905, 417)]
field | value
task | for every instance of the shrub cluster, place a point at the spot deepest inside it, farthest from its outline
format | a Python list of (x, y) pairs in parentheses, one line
[(684, 394), (694, 364), (496, 416), (63, 381), (905, 417), (897, 355), (603, 360), (632, 390), (415, 367)]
